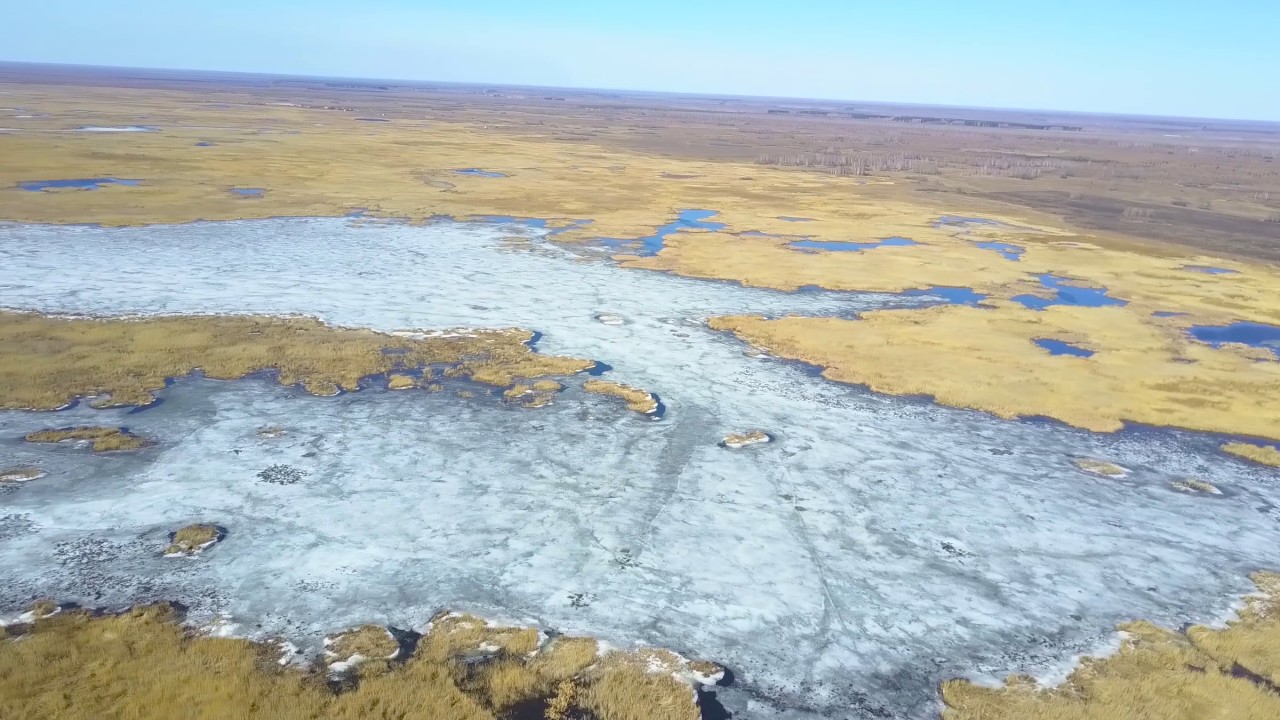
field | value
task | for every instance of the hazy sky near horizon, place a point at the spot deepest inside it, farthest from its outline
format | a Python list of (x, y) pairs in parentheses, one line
[(1170, 57)]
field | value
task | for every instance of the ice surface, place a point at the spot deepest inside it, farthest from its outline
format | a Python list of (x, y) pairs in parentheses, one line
[(876, 547)]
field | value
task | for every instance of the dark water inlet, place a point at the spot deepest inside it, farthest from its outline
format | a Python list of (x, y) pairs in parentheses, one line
[(833, 246), (953, 295), (1209, 270), (480, 173), (1252, 334), (1009, 251), (1060, 347), (1068, 295), (77, 183), (652, 245)]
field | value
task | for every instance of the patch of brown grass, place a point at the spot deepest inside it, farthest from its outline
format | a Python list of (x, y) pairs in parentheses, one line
[(638, 685), (191, 538), (986, 359), (1093, 466), (369, 641), (1196, 485), (1156, 674), (141, 664), (45, 362), (105, 439), (1261, 454), (637, 400), (19, 474), (400, 382), (533, 395)]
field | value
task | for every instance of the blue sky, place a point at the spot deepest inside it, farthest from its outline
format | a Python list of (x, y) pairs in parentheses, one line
[(1210, 59)]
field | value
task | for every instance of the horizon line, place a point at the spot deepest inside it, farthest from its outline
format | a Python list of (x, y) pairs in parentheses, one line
[(686, 94)]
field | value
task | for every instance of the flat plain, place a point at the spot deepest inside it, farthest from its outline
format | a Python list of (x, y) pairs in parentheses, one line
[(921, 308)]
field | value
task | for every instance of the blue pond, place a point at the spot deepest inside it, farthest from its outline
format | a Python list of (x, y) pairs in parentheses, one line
[(249, 192), (851, 246), (1010, 252), (953, 295), (1167, 314), (1247, 333), (686, 220), (480, 173), (204, 143), (962, 220), (1068, 295), (1058, 347), (792, 218), (80, 183), (1208, 270)]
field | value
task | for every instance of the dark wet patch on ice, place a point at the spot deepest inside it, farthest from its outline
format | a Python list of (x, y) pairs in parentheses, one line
[(1209, 270), (1008, 250), (961, 220), (952, 295), (840, 246), (1252, 334), (119, 128), (652, 245), (477, 172), (74, 184), (1059, 347), (599, 369), (1067, 294), (710, 707)]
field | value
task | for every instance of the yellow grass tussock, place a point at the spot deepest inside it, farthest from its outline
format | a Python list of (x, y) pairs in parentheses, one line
[(368, 641), (1195, 485), (1156, 674), (1093, 466), (192, 539), (400, 382), (1261, 454), (637, 400), (105, 439), (19, 474), (533, 395), (77, 666), (45, 362)]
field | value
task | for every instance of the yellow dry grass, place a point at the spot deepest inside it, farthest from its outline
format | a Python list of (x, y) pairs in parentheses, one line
[(1156, 674), (627, 687), (44, 607), (21, 473), (1261, 454), (400, 382), (46, 362), (190, 538), (105, 439), (1196, 485), (533, 395), (369, 641), (1099, 467), (637, 400), (986, 360), (142, 665)]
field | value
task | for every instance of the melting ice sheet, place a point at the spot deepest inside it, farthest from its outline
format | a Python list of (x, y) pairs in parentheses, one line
[(879, 546)]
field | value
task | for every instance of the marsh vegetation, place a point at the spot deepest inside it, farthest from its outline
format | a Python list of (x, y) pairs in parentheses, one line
[(76, 665), (46, 362), (102, 439)]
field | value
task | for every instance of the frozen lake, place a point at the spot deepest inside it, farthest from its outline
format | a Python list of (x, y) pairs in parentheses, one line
[(878, 546)]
